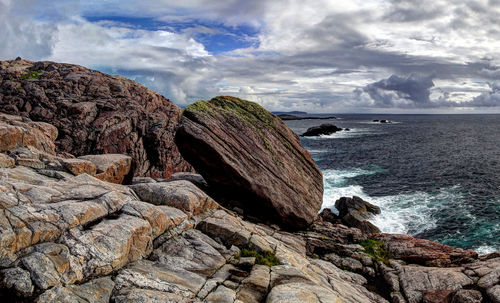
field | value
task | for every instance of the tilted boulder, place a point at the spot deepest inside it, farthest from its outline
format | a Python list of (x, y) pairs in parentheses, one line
[(95, 113), (252, 160)]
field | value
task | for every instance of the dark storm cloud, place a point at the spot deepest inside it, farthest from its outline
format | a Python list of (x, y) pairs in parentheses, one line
[(396, 91)]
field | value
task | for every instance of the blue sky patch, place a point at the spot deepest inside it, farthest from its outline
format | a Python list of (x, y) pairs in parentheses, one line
[(217, 38)]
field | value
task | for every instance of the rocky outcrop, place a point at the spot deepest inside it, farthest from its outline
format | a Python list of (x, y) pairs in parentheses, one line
[(355, 212), (323, 129), (425, 252), (252, 160), (94, 113)]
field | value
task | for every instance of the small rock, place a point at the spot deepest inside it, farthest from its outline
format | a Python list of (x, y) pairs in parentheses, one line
[(323, 129), (467, 296), (79, 166), (246, 263), (114, 168)]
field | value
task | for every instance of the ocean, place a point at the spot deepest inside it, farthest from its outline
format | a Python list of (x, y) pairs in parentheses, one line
[(435, 177)]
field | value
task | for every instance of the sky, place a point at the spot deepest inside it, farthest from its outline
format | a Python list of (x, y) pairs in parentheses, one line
[(357, 56)]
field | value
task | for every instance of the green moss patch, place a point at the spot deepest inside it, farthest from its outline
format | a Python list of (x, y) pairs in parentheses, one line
[(248, 113), (31, 75), (376, 250), (265, 257)]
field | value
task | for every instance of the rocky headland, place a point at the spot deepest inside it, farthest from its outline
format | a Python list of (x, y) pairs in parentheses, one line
[(83, 223)]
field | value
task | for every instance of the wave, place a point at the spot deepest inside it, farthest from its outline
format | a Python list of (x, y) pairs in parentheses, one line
[(409, 213)]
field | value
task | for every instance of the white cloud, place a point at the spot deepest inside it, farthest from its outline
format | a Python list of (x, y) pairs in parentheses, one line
[(314, 56)]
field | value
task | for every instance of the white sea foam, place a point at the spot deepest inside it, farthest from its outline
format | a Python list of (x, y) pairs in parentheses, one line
[(353, 132), (485, 249), (404, 213)]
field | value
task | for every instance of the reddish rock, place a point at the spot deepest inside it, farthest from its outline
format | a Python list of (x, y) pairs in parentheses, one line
[(436, 296), (425, 252), (79, 166), (18, 132), (252, 160), (114, 168), (95, 113)]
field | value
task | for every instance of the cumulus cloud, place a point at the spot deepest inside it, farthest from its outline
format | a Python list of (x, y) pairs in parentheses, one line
[(319, 56)]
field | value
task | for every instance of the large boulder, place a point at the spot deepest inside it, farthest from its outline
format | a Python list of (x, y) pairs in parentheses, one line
[(251, 159), (95, 113)]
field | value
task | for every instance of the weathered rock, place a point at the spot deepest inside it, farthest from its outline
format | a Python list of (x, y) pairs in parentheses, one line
[(417, 281), (301, 293), (134, 295), (96, 291), (95, 113), (225, 227), (425, 252), (252, 159), (80, 166), (494, 294), (6, 161), (159, 277), (193, 251), (17, 280), (114, 168), (221, 295), (254, 287), (196, 179), (323, 129), (180, 194), (354, 212), (110, 244), (18, 132), (467, 296)]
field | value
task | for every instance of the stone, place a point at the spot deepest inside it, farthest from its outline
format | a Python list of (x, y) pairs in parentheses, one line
[(114, 168), (193, 251), (436, 296), (221, 295), (251, 160), (254, 287), (417, 280), (467, 296), (6, 161), (229, 229), (323, 129), (301, 293), (159, 277), (134, 295), (425, 252), (95, 113), (179, 194), (16, 132), (110, 244), (17, 280), (354, 212), (490, 279), (494, 293), (194, 178), (246, 263), (98, 291), (79, 166)]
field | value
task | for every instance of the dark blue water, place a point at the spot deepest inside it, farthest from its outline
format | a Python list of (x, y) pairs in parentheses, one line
[(434, 176)]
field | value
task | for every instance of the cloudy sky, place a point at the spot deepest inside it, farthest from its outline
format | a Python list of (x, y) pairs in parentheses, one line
[(393, 56)]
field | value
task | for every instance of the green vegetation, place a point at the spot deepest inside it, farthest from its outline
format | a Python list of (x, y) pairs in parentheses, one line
[(30, 75), (249, 113), (376, 250), (261, 257)]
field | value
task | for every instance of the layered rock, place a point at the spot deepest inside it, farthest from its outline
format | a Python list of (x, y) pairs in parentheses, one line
[(251, 159), (94, 113)]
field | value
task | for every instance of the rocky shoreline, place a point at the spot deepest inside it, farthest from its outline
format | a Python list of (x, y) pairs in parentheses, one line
[(82, 228)]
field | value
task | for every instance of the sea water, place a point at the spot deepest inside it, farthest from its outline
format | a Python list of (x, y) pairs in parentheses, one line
[(435, 177)]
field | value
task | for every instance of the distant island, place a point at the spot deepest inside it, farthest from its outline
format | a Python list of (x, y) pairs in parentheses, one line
[(297, 115)]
